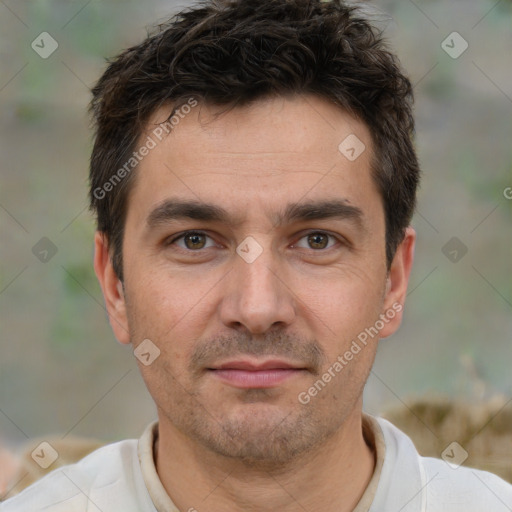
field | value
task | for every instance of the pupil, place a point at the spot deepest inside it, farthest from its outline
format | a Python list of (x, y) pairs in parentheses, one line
[(194, 239), (314, 239)]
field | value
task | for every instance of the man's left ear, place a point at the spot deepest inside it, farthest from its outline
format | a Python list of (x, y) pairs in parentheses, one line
[(397, 282)]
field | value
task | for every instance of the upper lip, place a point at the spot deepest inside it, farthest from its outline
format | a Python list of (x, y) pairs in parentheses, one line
[(272, 364)]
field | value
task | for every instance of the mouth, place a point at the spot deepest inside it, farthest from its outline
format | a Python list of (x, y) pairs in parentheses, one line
[(256, 374)]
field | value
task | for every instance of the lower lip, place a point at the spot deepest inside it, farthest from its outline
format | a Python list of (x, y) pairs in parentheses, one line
[(256, 379)]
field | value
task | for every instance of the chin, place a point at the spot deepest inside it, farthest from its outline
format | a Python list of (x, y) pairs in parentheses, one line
[(259, 435)]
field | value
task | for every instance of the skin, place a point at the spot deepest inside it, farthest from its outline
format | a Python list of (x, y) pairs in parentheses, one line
[(221, 447)]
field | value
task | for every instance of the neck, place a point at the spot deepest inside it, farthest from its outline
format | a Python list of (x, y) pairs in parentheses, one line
[(331, 479)]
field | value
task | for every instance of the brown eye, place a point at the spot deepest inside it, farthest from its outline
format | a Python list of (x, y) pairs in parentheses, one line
[(192, 241), (318, 241)]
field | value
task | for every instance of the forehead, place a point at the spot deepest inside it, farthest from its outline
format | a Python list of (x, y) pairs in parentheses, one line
[(278, 150), (299, 126)]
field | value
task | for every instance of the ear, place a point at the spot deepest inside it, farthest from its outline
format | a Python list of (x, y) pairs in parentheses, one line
[(111, 287), (397, 282)]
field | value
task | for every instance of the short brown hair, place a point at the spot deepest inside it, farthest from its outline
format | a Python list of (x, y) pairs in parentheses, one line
[(232, 52)]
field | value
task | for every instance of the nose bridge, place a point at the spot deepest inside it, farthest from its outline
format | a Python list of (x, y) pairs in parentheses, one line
[(258, 279), (258, 298)]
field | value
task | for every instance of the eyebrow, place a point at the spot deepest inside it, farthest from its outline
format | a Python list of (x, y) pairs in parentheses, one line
[(179, 209)]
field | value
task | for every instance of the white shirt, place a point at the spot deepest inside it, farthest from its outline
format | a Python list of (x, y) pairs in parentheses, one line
[(121, 477)]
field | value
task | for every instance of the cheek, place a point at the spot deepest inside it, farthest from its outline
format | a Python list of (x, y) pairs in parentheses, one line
[(345, 299), (345, 312), (167, 300), (171, 311)]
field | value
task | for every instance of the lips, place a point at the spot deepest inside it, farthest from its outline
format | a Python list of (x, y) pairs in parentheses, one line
[(273, 364), (255, 374)]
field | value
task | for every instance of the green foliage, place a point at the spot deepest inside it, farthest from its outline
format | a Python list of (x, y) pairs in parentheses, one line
[(80, 277)]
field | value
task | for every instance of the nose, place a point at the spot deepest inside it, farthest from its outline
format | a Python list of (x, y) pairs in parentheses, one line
[(257, 296)]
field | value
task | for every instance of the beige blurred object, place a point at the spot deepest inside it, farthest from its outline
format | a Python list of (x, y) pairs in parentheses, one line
[(9, 466), (483, 429), (22, 470)]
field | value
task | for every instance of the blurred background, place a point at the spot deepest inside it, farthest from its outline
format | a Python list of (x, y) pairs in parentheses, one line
[(62, 371)]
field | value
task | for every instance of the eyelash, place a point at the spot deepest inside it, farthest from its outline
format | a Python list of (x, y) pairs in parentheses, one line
[(185, 233)]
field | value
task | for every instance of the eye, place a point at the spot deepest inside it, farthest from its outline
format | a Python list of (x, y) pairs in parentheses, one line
[(318, 240), (193, 240)]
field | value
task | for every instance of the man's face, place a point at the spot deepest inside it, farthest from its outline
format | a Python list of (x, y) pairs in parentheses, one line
[(258, 287)]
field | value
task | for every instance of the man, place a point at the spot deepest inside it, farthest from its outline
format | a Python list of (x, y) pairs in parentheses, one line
[(254, 178)]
